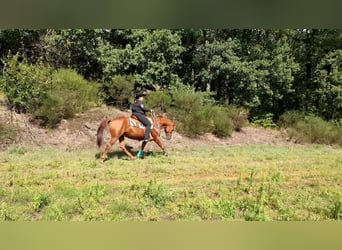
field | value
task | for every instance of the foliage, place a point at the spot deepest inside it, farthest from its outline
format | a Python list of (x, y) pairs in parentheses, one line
[(312, 129), (23, 84), (196, 113), (40, 201), (328, 78), (48, 94), (267, 71), (151, 56), (266, 121), (159, 100), (118, 91), (69, 94), (157, 194), (335, 210), (290, 118)]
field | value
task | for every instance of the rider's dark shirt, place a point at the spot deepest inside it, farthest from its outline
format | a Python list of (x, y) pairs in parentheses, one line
[(138, 108)]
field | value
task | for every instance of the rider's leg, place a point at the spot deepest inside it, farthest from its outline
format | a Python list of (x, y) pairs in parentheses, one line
[(148, 126)]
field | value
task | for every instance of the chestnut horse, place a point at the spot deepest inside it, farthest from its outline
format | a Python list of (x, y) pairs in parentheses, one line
[(120, 128)]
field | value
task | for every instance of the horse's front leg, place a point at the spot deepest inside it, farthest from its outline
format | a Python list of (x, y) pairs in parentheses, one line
[(140, 152), (157, 139)]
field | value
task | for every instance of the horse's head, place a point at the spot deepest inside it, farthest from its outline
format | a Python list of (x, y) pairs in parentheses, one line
[(168, 126)]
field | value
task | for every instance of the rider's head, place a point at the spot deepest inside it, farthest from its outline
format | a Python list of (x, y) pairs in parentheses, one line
[(140, 95)]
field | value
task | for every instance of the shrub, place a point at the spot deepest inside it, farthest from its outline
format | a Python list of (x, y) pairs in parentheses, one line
[(311, 129), (159, 100), (118, 91), (49, 95), (185, 98), (196, 113), (24, 85), (222, 122), (70, 93), (290, 118), (265, 121), (238, 116)]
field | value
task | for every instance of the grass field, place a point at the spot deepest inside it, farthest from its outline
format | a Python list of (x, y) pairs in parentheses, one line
[(267, 183)]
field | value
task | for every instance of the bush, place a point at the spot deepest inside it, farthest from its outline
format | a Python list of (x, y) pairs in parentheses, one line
[(196, 113), (24, 85), (311, 129), (185, 98), (69, 94), (159, 100), (118, 91), (222, 121), (238, 116), (48, 94), (290, 118), (265, 121)]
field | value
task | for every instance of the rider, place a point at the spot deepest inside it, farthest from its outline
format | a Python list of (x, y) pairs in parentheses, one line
[(139, 111)]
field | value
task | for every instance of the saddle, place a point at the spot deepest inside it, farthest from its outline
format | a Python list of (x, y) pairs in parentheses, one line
[(134, 122)]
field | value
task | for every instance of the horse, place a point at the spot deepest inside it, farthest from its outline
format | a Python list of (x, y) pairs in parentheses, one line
[(120, 128)]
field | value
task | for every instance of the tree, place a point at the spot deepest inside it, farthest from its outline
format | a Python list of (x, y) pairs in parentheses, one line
[(328, 79), (151, 56)]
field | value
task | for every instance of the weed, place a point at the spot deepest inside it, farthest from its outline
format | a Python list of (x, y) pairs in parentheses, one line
[(251, 180), (335, 210), (251, 210), (39, 201), (4, 212), (227, 209), (157, 194), (55, 214)]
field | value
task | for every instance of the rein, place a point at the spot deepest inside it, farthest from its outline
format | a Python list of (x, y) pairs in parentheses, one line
[(155, 121)]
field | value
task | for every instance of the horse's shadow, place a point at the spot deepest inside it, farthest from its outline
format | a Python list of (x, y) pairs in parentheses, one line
[(119, 154), (116, 153)]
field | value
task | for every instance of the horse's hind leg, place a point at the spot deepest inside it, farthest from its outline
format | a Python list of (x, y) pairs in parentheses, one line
[(109, 145), (123, 147)]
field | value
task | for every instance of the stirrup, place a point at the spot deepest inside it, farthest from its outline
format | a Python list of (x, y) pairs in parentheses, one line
[(149, 139)]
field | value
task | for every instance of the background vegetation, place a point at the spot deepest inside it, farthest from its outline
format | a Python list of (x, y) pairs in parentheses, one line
[(203, 73)]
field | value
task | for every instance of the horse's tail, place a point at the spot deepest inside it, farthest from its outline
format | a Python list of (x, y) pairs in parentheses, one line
[(100, 130)]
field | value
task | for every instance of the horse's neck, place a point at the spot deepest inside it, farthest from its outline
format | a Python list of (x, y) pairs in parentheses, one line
[(162, 122)]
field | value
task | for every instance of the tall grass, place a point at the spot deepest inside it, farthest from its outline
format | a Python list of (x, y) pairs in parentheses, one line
[(254, 183)]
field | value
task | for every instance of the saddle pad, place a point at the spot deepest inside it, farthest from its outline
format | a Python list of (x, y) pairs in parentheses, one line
[(138, 124)]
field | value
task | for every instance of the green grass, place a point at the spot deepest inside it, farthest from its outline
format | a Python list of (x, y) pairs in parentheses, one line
[(266, 183)]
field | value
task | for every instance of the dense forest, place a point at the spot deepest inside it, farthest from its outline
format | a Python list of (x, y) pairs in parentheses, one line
[(265, 71)]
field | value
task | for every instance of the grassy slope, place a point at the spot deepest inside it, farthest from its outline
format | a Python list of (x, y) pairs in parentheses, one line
[(203, 183)]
